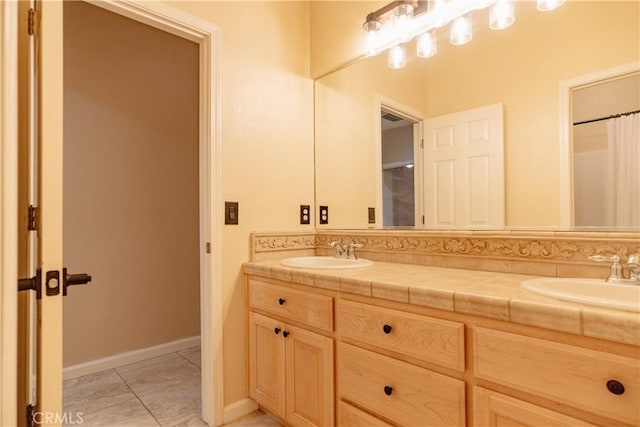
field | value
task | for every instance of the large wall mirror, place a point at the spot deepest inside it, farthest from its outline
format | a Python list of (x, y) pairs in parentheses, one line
[(521, 69)]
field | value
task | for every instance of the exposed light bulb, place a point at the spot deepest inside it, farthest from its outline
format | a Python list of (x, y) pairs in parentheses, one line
[(501, 14), (426, 45), (397, 57), (461, 30), (403, 13), (371, 35), (547, 5)]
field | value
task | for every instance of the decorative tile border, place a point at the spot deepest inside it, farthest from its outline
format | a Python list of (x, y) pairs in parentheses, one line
[(545, 253), (572, 247)]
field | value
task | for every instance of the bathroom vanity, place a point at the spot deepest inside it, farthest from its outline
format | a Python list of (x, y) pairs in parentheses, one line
[(398, 344)]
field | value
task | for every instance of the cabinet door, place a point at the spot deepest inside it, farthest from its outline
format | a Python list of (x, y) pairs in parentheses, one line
[(491, 409), (266, 363), (309, 373)]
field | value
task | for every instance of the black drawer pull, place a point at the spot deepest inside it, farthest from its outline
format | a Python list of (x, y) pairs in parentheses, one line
[(615, 387), (387, 329), (388, 390), (285, 334), (277, 330), (281, 301)]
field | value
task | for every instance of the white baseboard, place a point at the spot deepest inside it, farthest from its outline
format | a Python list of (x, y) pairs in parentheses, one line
[(121, 359), (238, 409)]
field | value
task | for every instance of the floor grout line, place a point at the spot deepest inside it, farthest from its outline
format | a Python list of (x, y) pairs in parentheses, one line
[(139, 397)]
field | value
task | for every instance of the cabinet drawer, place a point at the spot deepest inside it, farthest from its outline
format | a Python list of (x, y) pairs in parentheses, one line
[(433, 340), (493, 409), (405, 394), (310, 309), (350, 416), (571, 375)]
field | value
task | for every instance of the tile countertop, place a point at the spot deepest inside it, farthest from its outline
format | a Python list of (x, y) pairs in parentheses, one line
[(480, 293)]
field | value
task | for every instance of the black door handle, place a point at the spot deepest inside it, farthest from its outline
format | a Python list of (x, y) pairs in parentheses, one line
[(73, 280), (32, 284)]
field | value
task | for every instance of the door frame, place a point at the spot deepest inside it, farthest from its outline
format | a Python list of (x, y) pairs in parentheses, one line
[(566, 130), (409, 114), (207, 36), (8, 211)]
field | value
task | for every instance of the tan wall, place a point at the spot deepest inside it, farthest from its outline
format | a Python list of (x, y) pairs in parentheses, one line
[(336, 33), (267, 138), (520, 67), (130, 184)]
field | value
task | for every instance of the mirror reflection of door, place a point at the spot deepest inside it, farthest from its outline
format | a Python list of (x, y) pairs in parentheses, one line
[(398, 169), (606, 152)]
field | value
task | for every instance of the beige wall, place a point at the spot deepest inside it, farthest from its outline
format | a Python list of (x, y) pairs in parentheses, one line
[(336, 33), (130, 184), (267, 139), (520, 67)]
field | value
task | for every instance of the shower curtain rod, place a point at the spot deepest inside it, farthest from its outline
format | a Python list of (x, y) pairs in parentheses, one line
[(615, 116)]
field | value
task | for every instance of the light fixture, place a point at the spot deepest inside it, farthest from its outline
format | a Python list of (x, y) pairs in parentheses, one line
[(547, 5), (461, 30), (403, 13), (397, 57), (501, 14), (400, 21), (426, 44), (371, 34)]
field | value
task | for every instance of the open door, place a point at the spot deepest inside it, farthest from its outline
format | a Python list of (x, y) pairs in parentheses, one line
[(50, 90), (42, 185)]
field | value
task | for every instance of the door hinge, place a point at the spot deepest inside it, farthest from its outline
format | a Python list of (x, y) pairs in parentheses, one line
[(32, 222), (29, 413), (422, 143), (32, 22), (422, 219), (208, 247)]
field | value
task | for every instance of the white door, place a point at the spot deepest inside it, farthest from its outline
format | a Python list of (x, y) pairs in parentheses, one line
[(464, 168), (49, 364)]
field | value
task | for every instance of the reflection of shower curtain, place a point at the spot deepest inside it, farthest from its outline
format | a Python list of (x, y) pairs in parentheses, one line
[(623, 195)]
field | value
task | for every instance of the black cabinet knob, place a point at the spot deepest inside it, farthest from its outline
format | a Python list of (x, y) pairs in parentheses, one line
[(277, 330), (387, 329), (615, 387), (285, 334), (388, 390), (281, 301)]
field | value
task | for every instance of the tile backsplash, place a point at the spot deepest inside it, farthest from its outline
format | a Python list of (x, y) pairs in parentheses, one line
[(545, 253)]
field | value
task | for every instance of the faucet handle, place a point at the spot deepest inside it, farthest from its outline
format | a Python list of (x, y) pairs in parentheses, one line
[(633, 261), (351, 249), (615, 274), (340, 250)]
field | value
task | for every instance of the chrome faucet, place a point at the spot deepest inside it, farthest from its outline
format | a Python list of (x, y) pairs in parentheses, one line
[(351, 250), (341, 251), (346, 250), (616, 273)]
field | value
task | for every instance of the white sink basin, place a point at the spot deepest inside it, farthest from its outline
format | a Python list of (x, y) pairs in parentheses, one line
[(588, 291), (325, 262)]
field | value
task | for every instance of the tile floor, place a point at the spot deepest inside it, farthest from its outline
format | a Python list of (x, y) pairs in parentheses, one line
[(162, 391)]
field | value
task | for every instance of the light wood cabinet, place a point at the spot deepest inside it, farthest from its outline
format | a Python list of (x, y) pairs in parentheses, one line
[(492, 409), (432, 340), (406, 394), (579, 377), (403, 365), (291, 369)]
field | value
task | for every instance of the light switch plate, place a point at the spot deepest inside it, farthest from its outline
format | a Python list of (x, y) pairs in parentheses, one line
[(231, 213)]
